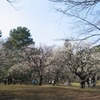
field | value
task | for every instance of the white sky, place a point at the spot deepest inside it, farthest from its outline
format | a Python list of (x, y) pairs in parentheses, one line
[(39, 16)]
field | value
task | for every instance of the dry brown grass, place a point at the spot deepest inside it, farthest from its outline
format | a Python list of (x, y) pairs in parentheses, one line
[(47, 92)]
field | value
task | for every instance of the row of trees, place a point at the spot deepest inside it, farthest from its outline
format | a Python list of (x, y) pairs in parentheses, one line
[(21, 60)]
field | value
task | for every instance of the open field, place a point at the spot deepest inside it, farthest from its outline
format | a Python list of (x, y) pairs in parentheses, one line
[(47, 92)]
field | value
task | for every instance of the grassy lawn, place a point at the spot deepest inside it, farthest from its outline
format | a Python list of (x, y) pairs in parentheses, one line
[(47, 92)]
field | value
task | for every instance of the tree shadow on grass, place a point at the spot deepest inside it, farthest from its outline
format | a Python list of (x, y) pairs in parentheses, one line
[(6, 97), (33, 95)]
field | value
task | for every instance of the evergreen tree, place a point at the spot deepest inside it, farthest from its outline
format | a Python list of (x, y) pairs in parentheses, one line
[(19, 38)]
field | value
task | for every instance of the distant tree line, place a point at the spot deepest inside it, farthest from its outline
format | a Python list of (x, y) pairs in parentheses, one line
[(21, 61)]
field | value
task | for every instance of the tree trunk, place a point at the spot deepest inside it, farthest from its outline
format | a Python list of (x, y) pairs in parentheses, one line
[(82, 77), (82, 84), (40, 80)]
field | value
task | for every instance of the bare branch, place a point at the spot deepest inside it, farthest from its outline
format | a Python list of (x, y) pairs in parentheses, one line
[(11, 2), (86, 14)]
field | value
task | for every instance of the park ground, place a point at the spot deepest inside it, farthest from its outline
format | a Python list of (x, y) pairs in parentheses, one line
[(47, 92)]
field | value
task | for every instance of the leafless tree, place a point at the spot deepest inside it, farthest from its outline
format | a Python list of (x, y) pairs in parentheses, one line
[(38, 60), (86, 14), (81, 62)]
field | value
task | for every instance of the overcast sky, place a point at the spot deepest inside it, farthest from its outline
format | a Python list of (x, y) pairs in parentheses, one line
[(39, 16)]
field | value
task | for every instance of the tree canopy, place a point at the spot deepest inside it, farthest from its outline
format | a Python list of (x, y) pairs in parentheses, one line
[(20, 37)]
